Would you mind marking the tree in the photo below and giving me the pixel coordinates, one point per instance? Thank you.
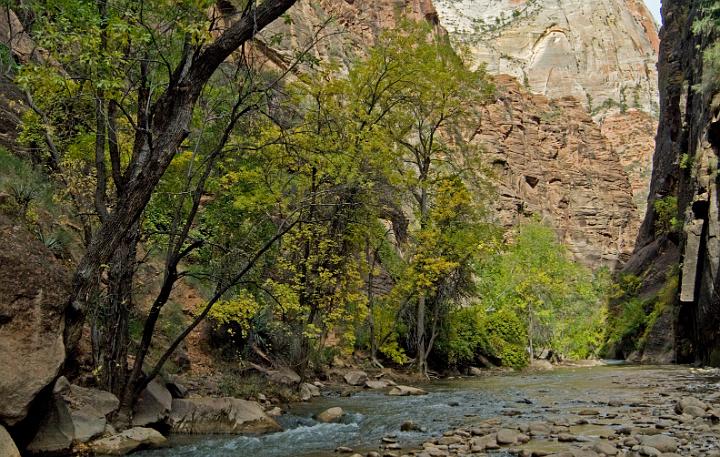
(560, 303)
(436, 160)
(129, 76)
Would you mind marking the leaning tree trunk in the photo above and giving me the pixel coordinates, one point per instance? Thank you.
(168, 129)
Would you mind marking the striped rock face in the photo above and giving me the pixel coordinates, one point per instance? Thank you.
(602, 52)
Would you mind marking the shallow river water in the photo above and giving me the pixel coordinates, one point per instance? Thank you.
(371, 415)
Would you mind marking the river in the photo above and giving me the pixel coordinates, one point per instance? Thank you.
(451, 403)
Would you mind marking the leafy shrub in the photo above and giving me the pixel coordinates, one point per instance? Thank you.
(506, 338)
(666, 212)
(25, 186)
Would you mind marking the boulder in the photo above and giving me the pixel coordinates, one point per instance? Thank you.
(475, 371)
(377, 384)
(541, 365)
(355, 377)
(219, 415)
(662, 443)
(330, 415)
(410, 426)
(77, 414)
(153, 405)
(482, 443)
(405, 391)
(689, 402)
(127, 441)
(7, 445)
(603, 447)
(308, 391)
(34, 287)
(506, 436)
(284, 376)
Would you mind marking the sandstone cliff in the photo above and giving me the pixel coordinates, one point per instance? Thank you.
(552, 161)
(602, 52)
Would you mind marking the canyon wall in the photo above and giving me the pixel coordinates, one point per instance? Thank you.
(602, 52)
(685, 168)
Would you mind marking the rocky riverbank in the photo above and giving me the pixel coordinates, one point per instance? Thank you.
(652, 415)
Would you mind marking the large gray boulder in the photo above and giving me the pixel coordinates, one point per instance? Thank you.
(34, 288)
(77, 414)
(219, 415)
(284, 376)
(127, 441)
(7, 445)
(355, 377)
(153, 405)
(662, 443)
(308, 391)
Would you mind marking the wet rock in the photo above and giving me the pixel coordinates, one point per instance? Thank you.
(603, 447)
(330, 415)
(274, 412)
(482, 443)
(355, 377)
(589, 412)
(219, 415)
(448, 440)
(538, 428)
(7, 445)
(153, 405)
(410, 426)
(127, 441)
(506, 436)
(662, 443)
(377, 384)
(694, 411)
(648, 451)
(689, 402)
(344, 450)
(405, 391)
(308, 391)
(566, 438)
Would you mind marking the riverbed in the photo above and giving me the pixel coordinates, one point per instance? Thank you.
(553, 397)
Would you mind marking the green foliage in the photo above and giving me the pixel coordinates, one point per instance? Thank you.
(634, 317)
(561, 303)
(666, 215)
(29, 190)
(506, 338)
(686, 161)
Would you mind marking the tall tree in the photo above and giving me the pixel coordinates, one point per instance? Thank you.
(124, 78)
